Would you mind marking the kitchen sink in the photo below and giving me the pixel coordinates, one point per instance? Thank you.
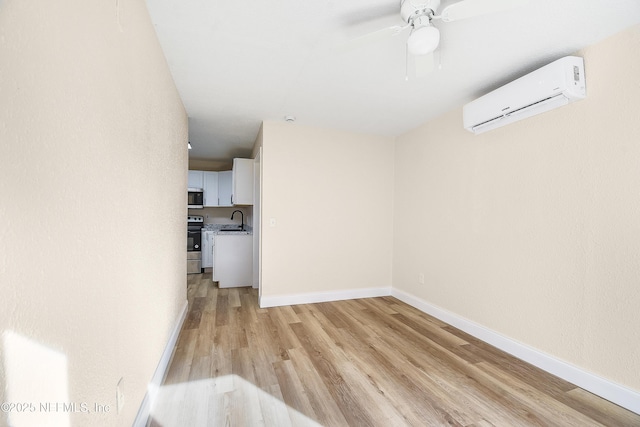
(232, 229)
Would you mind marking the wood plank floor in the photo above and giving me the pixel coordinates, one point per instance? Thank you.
(366, 362)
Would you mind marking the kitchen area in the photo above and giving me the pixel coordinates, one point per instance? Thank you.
(220, 223)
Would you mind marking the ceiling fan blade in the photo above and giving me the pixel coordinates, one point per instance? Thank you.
(424, 64)
(470, 8)
(371, 38)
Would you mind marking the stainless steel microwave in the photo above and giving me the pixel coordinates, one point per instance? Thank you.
(195, 198)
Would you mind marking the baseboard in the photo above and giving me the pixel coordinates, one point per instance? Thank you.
(313, 297)
(156, 381)
(620, 395)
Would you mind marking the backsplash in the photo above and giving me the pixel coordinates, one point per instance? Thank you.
(222, 215)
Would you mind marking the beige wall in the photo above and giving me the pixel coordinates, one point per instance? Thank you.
(92, 206)
(330, 193)
(533, 229)
(210, 165)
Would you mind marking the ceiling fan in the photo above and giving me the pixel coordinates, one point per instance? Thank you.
(424, 37)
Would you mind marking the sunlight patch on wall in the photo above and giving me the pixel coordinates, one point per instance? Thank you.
(37, 385)
(225, 400)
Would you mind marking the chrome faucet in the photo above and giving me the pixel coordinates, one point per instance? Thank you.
(241, 216)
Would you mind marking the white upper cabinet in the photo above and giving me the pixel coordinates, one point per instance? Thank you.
(217, 186)
(225, 180)
(195, 179)
(210, 189)
(242, 182)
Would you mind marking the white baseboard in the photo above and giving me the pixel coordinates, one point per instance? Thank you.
(620, 395)
(156, 381)
(310, 298)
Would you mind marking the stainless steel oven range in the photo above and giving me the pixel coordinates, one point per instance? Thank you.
(194, 244)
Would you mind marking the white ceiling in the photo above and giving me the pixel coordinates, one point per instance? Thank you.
(238, 63)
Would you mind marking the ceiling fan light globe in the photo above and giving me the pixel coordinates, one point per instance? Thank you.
(424, 40)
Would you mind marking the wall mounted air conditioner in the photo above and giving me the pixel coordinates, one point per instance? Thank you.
(549, 87)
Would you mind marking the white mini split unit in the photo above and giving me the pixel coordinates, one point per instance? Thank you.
(549, 87)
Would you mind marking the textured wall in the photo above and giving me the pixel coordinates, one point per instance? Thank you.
(330, 193)
(210, 165)
(93, 166)
(533, 229)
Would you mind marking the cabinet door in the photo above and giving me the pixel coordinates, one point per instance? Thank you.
(210, 189)
(224, 188)
(207, 249)
(233, 260)
(242, 182)
(213, 258)
(195, 179)
(203, 247)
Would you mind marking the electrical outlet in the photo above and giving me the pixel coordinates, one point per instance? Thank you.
(421, 278)
(120, 395)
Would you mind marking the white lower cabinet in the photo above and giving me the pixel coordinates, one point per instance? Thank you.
(233, 260)
(207, 249)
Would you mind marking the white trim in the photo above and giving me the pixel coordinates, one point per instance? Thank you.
(616, 393)
(156, 381)
(310, 298)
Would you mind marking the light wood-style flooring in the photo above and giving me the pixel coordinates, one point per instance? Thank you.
(365, 362)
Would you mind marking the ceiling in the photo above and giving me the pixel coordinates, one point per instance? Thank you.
(238, 63)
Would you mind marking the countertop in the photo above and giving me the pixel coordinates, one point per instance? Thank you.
(220, 229)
